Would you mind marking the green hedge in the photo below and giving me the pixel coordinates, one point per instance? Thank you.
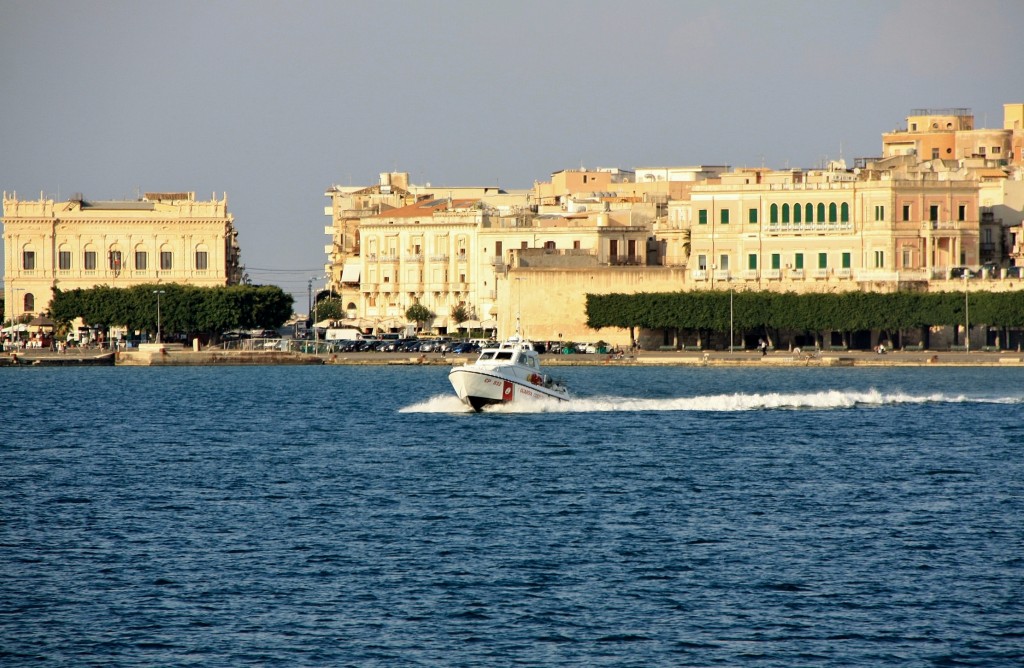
(851, 311)
(183, 308)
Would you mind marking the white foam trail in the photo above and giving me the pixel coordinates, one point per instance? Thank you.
(824, 400)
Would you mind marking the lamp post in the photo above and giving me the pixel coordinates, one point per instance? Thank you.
(967, 316)
(731, 328)
(158, 293)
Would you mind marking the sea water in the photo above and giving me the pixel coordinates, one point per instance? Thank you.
(363, 516)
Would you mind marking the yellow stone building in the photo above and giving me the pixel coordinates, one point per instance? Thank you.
(79, 243)
(943, 195)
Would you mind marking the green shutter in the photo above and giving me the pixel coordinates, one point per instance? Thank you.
(774, 213)
(776, 261)
(785, 213)
(752, 216)
(752, 261)
(725, 216)
(702, 217)
(821, 212)
(844, 212)
(797, 213)
(798, 261)
(822, 260)
(832, 212)
(846, 260)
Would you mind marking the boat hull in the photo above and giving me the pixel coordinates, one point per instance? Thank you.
(479, 388)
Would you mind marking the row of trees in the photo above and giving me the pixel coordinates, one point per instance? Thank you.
(183, 309)
(769, 313)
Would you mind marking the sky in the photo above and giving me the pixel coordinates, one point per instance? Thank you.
(274, 102)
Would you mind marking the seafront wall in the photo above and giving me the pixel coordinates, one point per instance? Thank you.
(182, 357)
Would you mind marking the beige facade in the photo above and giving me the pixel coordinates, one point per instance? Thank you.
(944, 195)
(162, 237)
(445, 253)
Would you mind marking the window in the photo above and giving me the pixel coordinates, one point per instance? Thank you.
(846, 260)
(141, 260)
(114, 259)
(549, 245)
(576, 244)
(832, 212)
(879, 259)
(28, 259)
(752, 216)
(90, 261)
(822, 260)
(797, 213)
(907, 256)
(996, 149)
(752, 261)
(809, 213)
(702, 262)
(724, 216)
(844, 212)
(202, 260)
(798, 261)
(935, 154)
(723, 262)
(879, 212)
(497, 249)
(776, 260)
(29, 302)
(64, 260)
(961, 213)
(906, 212)
(821, 212)
(933, 212)
(166, 260)
(773, 213)
(785, 213)
(702, 217)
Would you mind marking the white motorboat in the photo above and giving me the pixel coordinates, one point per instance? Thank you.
(509, 372)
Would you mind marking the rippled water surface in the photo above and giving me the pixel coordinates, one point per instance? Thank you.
(360, 516)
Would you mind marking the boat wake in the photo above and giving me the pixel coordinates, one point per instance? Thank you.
(824, 400)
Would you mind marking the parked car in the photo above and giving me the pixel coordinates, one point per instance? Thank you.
(962, 272)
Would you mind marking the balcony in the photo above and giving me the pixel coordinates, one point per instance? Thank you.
(722, 275)
(700, 275)
(821, 273)
(438, 258)
(773, 274)
(846, 272)
(796, 273)
(750, 275)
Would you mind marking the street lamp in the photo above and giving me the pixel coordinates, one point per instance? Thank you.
(158, 293)
(967, 315)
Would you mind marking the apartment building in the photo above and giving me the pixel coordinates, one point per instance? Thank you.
(80, 243)
(828, 229)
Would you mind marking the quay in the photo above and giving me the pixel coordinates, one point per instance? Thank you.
(180, 356)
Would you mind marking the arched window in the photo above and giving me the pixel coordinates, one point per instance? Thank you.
(798, 213)
(844, 212)
(832, 212)
(774, 214)
(202, 258)
(785, 213)
(821, 212)
(809, 215)
(29, 302)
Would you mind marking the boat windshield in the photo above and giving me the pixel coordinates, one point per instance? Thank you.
(504, 355)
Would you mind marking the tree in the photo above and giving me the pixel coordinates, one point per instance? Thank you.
(419, 314)
(459, 314)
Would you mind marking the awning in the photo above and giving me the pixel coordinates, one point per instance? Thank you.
(351, 272)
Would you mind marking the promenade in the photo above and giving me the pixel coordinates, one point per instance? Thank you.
(718, 358)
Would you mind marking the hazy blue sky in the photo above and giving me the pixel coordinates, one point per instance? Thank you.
(272, 102)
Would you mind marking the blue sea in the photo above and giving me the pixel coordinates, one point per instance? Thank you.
(360, 516)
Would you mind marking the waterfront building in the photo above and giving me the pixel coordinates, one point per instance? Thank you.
(943, 195)
(80, 243)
